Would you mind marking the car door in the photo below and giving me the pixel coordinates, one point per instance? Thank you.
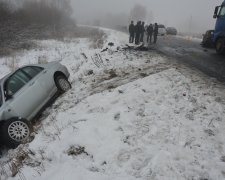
(44, 78)
(26, 96)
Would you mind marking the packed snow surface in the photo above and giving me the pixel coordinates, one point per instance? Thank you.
(129, 115)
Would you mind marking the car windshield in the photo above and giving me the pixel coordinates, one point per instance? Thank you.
(222, 11)
(161, 26)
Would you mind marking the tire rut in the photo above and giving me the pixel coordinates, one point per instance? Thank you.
(123, 77)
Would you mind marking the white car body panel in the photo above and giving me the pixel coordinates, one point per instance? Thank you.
(161, 31)
(32, 97)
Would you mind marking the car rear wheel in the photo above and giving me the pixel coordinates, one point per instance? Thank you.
(220, 46)
(15, 131)
(62, 83)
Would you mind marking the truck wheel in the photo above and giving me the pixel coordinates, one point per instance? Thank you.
(15, 131)
(62, 84)
(220, 45)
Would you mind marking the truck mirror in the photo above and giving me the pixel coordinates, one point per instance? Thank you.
(216, 12)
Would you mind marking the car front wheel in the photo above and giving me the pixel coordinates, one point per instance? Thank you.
(15, 131)
(62, 84)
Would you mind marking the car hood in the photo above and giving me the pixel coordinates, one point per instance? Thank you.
(47, 65)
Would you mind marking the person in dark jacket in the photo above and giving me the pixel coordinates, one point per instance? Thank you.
(137, 32)
(156, 29)
(132, 32)
(150, 32)
(142, 31)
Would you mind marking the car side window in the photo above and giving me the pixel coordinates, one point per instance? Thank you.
(32, 71)
(16, 82)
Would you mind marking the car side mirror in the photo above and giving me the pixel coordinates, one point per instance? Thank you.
(214, 16)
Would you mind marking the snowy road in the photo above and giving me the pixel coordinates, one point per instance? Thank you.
(129, 115)
(189, 50)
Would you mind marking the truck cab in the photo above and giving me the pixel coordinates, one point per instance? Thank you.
(219, 32)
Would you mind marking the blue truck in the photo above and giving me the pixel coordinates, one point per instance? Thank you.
(219, 31)
(216, 38)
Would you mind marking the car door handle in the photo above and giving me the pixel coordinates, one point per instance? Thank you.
(31, 84)
(44, 72)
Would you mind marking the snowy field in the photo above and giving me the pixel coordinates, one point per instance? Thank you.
(130, 115)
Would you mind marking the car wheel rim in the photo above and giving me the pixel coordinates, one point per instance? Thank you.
(18, 131)
(64, 84)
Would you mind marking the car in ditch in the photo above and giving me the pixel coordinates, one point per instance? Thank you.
(23, 94)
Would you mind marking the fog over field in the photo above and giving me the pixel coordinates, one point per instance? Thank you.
(186, 15)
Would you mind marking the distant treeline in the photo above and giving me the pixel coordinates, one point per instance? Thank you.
(43, 12)
(22, 21)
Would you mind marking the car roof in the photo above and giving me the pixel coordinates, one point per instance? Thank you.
(49, 64)
(161, 26)
(5, 77)
(8, 75)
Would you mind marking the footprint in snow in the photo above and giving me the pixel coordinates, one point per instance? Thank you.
(209, 132)
(141, 112)
(123, 157)
(117, 116)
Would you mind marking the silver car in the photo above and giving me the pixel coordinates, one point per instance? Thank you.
(23, 94)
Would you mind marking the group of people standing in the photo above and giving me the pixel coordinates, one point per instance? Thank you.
(137, 32)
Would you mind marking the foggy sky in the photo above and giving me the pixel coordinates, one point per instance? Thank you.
(185, 15)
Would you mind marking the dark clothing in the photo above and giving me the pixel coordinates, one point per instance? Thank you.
(131, 28)
(156, 29)
(149, 38)
(150, 29)
(150, 32)
(155, 33)
(137, 33)
(132, 32)
(142, 33)
(131, 39)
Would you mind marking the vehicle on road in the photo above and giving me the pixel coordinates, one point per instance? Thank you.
(218, 37)
(171, 31)
(161, 30)
(23, 94)
(207, 40)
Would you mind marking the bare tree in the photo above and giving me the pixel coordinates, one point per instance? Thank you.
(138, 12)
(62, 5)
(45, 12)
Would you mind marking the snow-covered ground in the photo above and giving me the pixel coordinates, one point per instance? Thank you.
(129, 115)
